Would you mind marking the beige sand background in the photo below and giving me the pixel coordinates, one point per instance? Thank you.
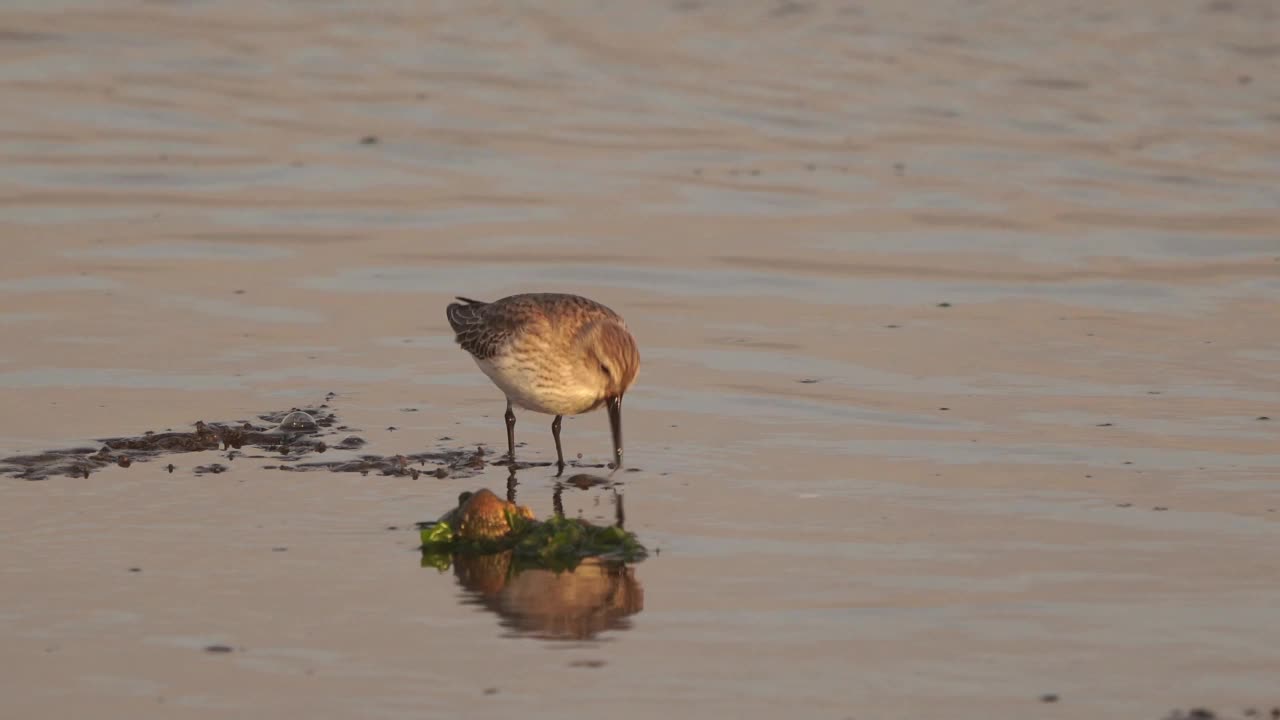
(1058, 484)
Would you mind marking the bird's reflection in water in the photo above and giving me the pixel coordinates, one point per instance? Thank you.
(582, 481)
(576, 604)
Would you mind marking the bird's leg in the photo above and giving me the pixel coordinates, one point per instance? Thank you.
(555, 433)
(511, 483)
(511, 434)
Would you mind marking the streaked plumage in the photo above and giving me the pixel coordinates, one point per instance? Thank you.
(551, 353)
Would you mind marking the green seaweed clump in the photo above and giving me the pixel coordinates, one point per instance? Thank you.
(557, 543)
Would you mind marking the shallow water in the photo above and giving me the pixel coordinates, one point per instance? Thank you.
(1024, 256)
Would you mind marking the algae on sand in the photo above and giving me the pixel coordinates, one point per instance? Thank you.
(482, 524)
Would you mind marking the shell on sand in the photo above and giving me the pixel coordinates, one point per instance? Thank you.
(483, 516)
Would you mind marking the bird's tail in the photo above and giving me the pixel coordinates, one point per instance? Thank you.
(460, 315)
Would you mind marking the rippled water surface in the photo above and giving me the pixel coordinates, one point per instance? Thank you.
(961, 360)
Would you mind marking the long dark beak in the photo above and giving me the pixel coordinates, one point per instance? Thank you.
(615, 424)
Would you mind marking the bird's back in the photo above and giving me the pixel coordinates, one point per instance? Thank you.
(483, 328)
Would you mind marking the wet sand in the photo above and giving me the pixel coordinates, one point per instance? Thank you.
(958, 325)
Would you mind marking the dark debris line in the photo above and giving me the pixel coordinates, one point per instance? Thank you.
(292, 438)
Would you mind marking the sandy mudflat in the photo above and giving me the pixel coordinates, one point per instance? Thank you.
(958, 319)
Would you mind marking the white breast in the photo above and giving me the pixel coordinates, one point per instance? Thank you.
(554, 396)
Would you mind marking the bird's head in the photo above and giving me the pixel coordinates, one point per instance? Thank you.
(611, 361)
(611, 357)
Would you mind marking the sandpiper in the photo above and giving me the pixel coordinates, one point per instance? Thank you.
(551, 353)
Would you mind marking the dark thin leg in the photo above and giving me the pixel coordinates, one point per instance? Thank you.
(555, 433)
(511, 434)
(557, 502)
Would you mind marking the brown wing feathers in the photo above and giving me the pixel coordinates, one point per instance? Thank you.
(477, 336)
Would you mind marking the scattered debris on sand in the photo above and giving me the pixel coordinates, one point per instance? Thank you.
(289, 439)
